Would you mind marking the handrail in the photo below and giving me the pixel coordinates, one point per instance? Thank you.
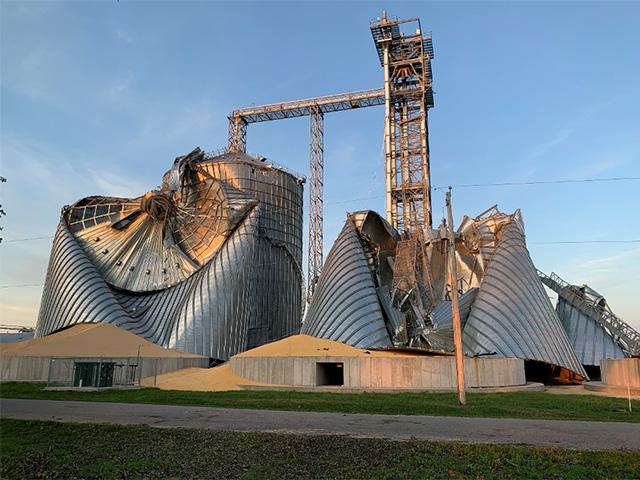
(627, 337)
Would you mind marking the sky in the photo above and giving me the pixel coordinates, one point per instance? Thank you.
(98, 98)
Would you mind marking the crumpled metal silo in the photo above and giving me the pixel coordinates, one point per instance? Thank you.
(589, 339)
(345, 304)
(594, 331)
(209, 263)
(397, 285)
(512, 315)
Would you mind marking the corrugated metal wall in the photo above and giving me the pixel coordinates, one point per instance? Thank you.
(345, 305)
(589, 340)
(249, 293)
(512, 314)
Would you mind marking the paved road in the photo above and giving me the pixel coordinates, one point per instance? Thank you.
(549, 433)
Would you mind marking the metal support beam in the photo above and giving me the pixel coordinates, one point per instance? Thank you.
(237, 133)
(316, 184)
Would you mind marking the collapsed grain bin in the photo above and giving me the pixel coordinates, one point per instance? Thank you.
(209, 263)
(383, 289)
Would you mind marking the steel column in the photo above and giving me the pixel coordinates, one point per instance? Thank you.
(316, 184)
(389, 167)
(237, 133)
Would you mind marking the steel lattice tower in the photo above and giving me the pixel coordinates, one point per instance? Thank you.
(406, 61)
(316, 184)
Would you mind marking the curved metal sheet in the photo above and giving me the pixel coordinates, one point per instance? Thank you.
(345, 305)
(74, 291)
(247, 293)
(216, 311)
(512, 314)
(440, 336)
(588, 339)
(163, 237)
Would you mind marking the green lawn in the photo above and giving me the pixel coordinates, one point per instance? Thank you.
(63, 450)
(515, 405)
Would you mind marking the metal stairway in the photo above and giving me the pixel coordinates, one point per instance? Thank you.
(621, 332)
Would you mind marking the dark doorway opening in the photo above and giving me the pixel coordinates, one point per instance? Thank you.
(93, 374)
(548, 374)
(330, 374)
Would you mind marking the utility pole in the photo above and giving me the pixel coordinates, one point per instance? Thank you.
(453, 280)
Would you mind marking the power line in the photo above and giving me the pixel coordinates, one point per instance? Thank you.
(464, 185)
(502, 184)
(540, 182)
(27, 239)
(582, 241)
(23, 285)
(339, 202)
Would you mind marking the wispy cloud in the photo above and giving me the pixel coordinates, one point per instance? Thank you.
(20, 314)
(39, 174)
(40, 181)
(122, 35)
(115, 185)
(543, 148)
(599, 166)
(610, 261)
(32, 73)
(119, 91)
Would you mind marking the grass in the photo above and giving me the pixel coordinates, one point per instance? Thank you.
(31, 449)
(536, 405)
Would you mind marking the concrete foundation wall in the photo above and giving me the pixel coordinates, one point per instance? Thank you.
(36, 369)
(24, 369)
(620, 371)
(383, 372)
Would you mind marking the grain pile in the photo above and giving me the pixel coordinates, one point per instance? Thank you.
(90, 340)
(224, 379)
(307, 346)
(218, 379)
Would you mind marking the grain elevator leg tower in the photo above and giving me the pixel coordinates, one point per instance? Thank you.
(406, 61)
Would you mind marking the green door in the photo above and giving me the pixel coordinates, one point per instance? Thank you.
(85, 374)
(93, 374)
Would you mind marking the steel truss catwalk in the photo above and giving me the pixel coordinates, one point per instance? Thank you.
(407, 95)
(594, 330)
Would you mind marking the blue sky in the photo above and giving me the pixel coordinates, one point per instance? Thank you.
(100, 97)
